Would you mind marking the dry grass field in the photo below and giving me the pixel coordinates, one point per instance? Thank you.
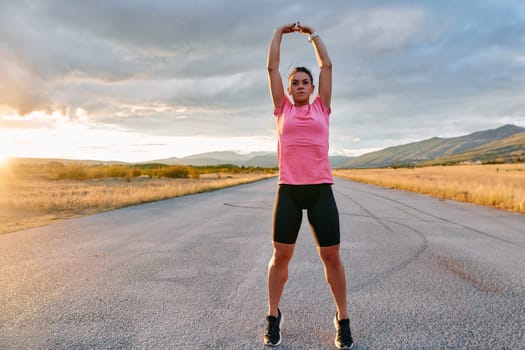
(501, 186)
(37, 200)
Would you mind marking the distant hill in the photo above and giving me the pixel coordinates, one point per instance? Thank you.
(506, 143)
(226, 156)
(268, 160)
(438, 150)
(261, 159)
(510, 148)
(340, 161)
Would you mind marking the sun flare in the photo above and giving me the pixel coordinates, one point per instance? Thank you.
(3, 159)
(4, 149)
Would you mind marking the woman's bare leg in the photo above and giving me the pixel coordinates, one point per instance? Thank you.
(278, 274)
(335, 276)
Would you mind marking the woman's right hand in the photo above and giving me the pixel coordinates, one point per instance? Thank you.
(289, 28)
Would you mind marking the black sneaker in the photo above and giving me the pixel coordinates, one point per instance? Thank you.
(272, 334)
(343, 336)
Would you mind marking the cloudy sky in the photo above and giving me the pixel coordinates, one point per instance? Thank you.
(139, 80)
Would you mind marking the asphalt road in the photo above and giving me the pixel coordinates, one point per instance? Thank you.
(190, 273)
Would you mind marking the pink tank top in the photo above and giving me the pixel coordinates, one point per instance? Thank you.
(302, 143)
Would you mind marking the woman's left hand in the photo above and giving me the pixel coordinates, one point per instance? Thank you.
(304, 29)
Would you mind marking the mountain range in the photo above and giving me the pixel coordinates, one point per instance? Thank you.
(506, 143)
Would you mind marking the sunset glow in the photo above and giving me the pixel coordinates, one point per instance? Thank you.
(4, 148)
(78, 140)
(3, 159)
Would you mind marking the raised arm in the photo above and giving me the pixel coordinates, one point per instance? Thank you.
(325, 64)
(274, 56)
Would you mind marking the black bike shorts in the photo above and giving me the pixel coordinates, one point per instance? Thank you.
(321, 208)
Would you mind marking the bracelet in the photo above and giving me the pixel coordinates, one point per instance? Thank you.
(312, 36)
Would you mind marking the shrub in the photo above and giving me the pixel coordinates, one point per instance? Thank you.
(175, 171)
(72, 171)
(194, 173)
(118, 171)
(136, 172)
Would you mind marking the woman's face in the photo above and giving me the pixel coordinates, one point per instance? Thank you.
(300, 87)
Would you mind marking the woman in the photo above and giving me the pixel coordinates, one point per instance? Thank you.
(305, 181)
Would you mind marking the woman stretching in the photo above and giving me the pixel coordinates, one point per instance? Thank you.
(305, 181)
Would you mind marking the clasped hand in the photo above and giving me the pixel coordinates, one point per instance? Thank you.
(296, 27)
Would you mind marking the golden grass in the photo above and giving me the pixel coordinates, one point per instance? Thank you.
(500, 186)
(30, 202)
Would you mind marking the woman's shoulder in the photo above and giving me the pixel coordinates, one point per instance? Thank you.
(284, 106)
(319, 105)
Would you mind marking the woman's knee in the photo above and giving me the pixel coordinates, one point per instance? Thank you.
(330, 256)
(282, 253)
